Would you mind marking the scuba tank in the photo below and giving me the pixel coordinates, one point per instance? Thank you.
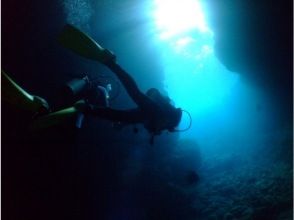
(98, 95)
(72, 91)
(90, 91)
(75, 86)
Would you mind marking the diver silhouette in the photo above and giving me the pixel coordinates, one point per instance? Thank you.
(153, 110)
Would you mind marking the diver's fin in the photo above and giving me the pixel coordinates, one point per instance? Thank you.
(53, 118)
(13, 94)
(60, 116)
(82, 44)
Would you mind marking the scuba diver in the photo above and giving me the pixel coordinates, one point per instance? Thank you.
(154, 110)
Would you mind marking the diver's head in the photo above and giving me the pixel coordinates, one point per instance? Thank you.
(171, 116)
(157, 97)
(153, 93)
(174, 115)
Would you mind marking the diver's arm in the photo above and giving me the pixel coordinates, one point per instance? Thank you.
(130, 85)
(82, 44)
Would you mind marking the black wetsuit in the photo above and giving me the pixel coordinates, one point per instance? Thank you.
(148, 111)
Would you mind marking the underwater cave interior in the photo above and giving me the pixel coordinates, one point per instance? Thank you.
(229, 64)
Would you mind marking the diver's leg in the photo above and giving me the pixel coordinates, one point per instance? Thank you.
(129, 83)
(53, 118)
(127, 116)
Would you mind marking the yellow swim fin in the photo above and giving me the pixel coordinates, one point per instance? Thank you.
(13, 94)
(82, 44)
(52, 118)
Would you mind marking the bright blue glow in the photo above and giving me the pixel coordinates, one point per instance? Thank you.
(174, 17)
(194, 78)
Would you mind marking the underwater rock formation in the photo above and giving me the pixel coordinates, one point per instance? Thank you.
(254, 39)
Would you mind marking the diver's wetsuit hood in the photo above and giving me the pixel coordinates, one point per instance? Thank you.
(171, 116)
(175, 116)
